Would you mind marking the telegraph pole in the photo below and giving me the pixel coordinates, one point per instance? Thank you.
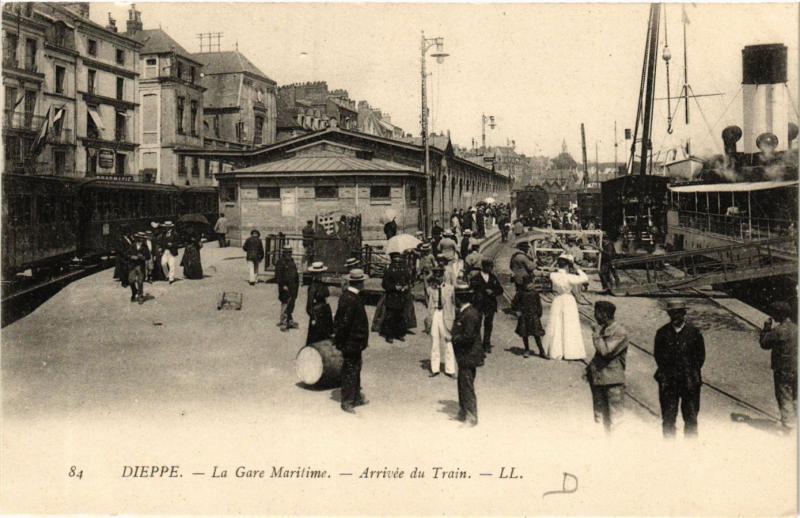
(425, 44)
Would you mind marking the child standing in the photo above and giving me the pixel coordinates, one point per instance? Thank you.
(529, 308)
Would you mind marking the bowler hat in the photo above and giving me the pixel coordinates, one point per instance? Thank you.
(356, 275)
(673, 305)
(317, 266)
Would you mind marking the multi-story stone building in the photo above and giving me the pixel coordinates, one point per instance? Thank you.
(23, 84)
(171, 107)
(307, 107)
(240, 101)
(374, 122)
(70, 92)
(106, 106)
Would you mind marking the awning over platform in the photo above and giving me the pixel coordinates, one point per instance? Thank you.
(733, 187)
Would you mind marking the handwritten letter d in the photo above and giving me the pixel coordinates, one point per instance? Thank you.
(566, 487)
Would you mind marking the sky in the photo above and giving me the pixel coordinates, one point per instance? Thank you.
(540, 69)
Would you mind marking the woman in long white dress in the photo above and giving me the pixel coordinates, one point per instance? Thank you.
(563, 338)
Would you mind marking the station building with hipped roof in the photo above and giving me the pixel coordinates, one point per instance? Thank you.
(336, 172)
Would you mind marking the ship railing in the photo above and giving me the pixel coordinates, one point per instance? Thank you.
(738, 226)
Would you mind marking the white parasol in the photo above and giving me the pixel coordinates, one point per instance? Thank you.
(401, 243)
(489, 200)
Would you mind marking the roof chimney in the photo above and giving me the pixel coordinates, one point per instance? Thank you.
(112, 24)
(134, 23)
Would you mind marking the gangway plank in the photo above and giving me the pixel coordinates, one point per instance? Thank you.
(692, 269)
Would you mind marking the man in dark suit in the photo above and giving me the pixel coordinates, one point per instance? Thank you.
(288, 284)
(680, 353)
(782, 340)
(607, 368)
(486, 288)
(351, 337)
(396, 283)
(469, 353)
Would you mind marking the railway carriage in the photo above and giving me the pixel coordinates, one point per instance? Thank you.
(48, 221)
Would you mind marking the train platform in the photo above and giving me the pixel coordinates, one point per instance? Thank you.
(93, 380)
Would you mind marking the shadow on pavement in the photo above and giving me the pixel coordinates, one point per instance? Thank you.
(449, 407)
(765, 425)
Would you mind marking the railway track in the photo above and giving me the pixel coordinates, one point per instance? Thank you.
(20, 298)
(587, 315)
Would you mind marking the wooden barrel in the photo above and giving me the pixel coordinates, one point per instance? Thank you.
(319, 365)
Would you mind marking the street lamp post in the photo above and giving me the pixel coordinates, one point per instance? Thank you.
(425, 45)
(492, 125)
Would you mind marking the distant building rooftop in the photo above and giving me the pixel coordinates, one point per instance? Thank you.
(156, 41)
(229, 62)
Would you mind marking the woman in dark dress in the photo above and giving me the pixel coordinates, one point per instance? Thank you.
(529, 323)
(192, 267)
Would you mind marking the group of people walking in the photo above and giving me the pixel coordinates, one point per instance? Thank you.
(145, 257)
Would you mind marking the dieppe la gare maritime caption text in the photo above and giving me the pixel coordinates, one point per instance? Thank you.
(308, 472)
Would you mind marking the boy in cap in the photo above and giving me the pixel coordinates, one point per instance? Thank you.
(288, 284)
(469, 353)
(441, 306)
(427, 262)
(679, 353)
(137, 259)
(351, 337)
(782, 340)
(606, 371)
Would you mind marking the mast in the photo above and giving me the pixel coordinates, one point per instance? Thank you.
(583, 148)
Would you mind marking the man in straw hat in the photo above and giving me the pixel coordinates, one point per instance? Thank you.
(320, 317)
(606, 371)
(782, 340)
(469, 352)
(351, 337)
(441, 307)
(288, 282)
(680, 353)
(255, 254)
(426, 263)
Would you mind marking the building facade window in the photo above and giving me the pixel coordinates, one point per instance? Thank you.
(239, 131)
(411, 198)
(193, 120)
(207, 168)
(30, 107)
(151, 65)
(259, 131)
(91, 47)
(269, 193)
(10, 42)
(179, 68)
(120, 57)
(216, 126)
(120, 132)
(195, 167)
(91, 77)
(11, 102)
(191, 74)
(181, 166)
(326, 192)
(30, 54)
(59, 161)
(380, 192)
(179, 114)
(60, 73)
(91, 128)
(227, 192)
(120, 88)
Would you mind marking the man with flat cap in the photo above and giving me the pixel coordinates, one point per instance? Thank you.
(288, 282)
(468, 348)
(680, 353)
(606, 371)
(521, 265)
(351, 337)
(782, 341)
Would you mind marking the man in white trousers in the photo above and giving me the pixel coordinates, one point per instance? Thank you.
(169, 260)
(441, 305)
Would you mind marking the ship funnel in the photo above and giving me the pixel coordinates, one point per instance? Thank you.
(730, 136)
(766, 108)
